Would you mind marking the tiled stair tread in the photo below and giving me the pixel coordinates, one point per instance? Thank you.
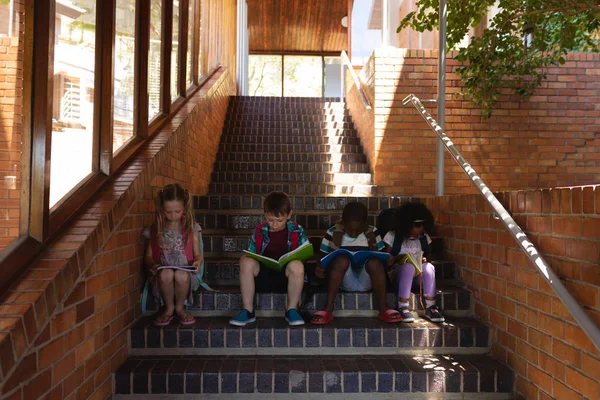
(318, 132)
(266, 139)
(292, 148)
(291, 157)
(312, 374)
(249, 115)
(327, 167)
(292, 188)
(344, 332)
(299, 202)
(290, 124)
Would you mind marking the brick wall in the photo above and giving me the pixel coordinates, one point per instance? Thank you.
(548, 141)
(530, 328)
(11, 123)
(63, 326)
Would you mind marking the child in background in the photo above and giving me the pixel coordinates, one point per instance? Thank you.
(278, 236)
(173, 242)
(354, 233)
(412, 223)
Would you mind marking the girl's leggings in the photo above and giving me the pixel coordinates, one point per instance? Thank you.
(403, 280)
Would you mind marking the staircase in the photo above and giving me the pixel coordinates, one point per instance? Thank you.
(308, 148)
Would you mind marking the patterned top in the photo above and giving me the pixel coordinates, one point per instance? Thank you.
(353, 244)
(409, 246)
(173, 249)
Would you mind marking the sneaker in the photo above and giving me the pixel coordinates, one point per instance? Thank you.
(407, 316)
(433, 314)
(243, 318)
(293, 317)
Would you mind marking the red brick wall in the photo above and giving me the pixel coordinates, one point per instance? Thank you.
(63, 326)
(550, 140)
(11, 123)
(530, 328)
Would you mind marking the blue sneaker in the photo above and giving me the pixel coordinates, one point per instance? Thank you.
(293, 317)
(407, 316)
(243, 318)
(433, 314)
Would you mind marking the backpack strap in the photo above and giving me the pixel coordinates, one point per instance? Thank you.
(397, 245)
(294, 237)
(259, 238)
(424, 245)
(154, 244)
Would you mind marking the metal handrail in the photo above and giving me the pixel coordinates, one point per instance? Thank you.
(346, 63)
(586, 323)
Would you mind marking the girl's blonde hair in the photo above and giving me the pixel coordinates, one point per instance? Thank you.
(174, 192)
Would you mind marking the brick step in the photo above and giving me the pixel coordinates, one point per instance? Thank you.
(286, 101)
(215, 202)
(250, 115)
(233, 166)
(266, 139)
(449, 376)
(291, 132)
(214, 335)
(288, 125)
(291, 148)
(290, 157)
(293, 188)
(224, 266)
(338, 178)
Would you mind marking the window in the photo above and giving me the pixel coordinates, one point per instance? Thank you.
(189, 76)
(12, 32)
(73, 97)
(265, 76)
(124, 73)
(155, 59)
(175, 53)
(303, 76)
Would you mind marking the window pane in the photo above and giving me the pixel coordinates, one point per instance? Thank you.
(12, 32)
(154, 59)
(190, 46)
(265, 75)
(333, 82)
(174, 53)
(73, 98)
(199, 33)
(124, 85)
(303, 76)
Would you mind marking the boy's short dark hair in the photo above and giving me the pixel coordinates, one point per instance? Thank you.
(277, 203)
(355, 211)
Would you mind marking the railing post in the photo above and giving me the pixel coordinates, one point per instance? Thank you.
(441, 97)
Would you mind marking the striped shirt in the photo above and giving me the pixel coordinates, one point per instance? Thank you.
(349, 243)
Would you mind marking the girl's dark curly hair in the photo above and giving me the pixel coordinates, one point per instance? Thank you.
(407, 214)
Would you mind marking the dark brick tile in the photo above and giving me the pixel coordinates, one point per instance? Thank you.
(359, 337)
(405, 335)
(481, 336)
(389, 337)
(229, 376)
(176, 378)
(141, 377)
(450, 335)
(210, 376)
(327, 337)
(343, 337)
(233, 337)
(374, 336)
(466, 336)
(248, 337)
(363, 301)
(138, 337)
(281, 381)
(159, 377)
(349, 301)
(264, 376)
(452, 382)
(435, 336)
(153, 338)
(169, 336)
(265, 337)
(217, 339)
(193, 377)
(436, 381)
(296, 337)
(368, 376)
(420, 337)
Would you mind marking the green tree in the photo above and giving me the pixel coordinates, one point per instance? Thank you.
(520, 43)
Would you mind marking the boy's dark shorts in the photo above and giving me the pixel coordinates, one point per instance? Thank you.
(270, 281)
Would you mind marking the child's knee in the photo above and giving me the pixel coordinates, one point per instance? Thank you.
(165, 275)
(429, 270)
(341, 263)
(374, 267)
(295, 268)
(182, 277)
(249, 264)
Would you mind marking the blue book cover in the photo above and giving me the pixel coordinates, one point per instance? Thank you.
(357, 258)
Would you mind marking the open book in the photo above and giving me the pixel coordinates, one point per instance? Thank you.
(188, 268)
(414, 259)
(357, 258)
(303, 252)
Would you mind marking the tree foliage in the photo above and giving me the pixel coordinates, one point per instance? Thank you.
(520, 43)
